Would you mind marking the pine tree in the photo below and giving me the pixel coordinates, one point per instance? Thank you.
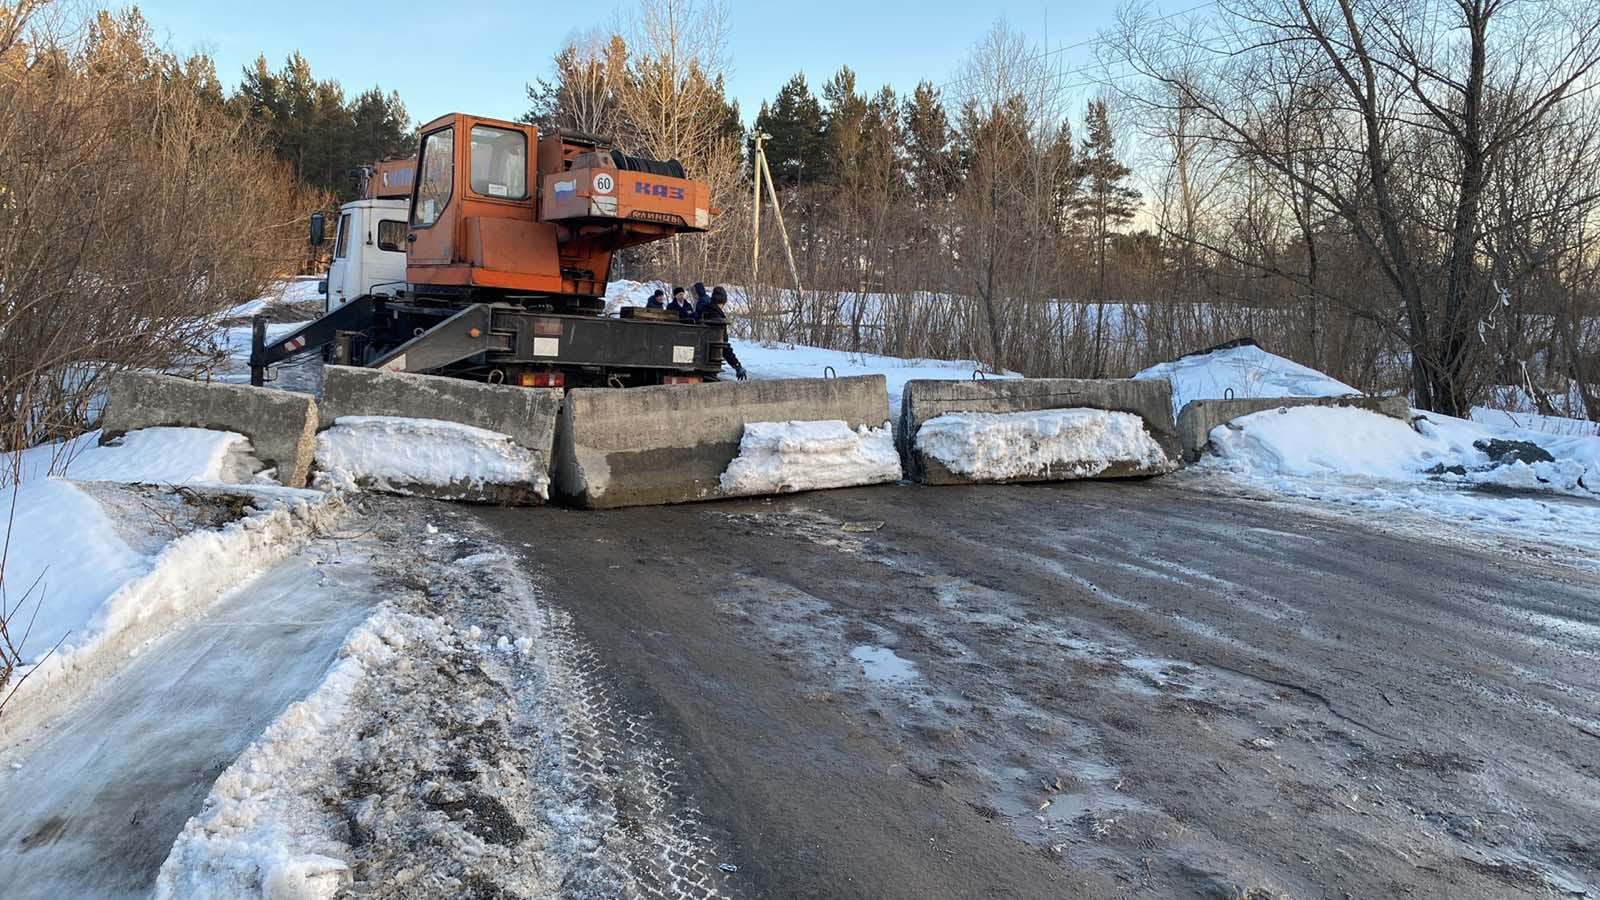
(795, 151)
(931, 158)
(1106, 201)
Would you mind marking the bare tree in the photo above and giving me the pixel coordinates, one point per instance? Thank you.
(1417, 106)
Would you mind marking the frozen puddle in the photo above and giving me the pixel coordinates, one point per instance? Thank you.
(881, 664)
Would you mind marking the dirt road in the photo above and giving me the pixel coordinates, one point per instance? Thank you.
(1096, 690)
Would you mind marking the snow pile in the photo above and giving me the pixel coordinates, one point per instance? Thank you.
(1242, 372)
(257, 837)
(783, 457)
(394, 454)
(1056, 442)
(99, 601)
(65, 558)
(162, 456)
(1321, 442)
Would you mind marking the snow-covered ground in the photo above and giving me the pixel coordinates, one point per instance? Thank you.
(99, 561)
(777, 360)
(1458, 474)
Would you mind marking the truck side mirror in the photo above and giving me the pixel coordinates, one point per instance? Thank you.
(319, 228)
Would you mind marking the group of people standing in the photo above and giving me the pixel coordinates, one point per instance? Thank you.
(708, 309)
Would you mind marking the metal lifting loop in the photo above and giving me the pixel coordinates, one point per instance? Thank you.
(1227, 394)
(614, 381)
(496, 376)
(828, 372)
(979, 376)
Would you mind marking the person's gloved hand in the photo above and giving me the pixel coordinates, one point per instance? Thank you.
(739, 371)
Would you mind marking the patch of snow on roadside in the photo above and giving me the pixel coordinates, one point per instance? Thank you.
(1242, 372)
(63, 542)
(1321, 442)
(160, 456)
(392, 452)
(1000, 446)
(256, 837)
(109, 602)
(782, 457)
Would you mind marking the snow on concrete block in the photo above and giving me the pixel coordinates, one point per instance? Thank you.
(1048, 445)
(281, 425)
(430, 458)
(993, 430)
(1199, 417)
(786, 457)
(673, 443)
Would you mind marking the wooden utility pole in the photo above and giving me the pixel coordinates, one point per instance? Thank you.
(762, 170)
(755, 205)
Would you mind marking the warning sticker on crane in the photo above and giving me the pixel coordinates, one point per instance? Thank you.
(604, 183)
(546, 346)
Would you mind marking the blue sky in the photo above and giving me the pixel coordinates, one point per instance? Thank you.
(476, 56)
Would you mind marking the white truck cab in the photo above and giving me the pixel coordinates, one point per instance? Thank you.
(369, 250)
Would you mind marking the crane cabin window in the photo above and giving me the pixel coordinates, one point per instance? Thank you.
(391, 235)
(437, 168)
(341, 244)
(499, 163)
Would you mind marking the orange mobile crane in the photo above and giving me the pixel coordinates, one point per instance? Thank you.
(509, 237)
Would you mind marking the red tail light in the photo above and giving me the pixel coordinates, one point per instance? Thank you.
(542, 379)
(681, 379)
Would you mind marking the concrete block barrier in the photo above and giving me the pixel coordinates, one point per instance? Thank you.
(674, 443)
(459, 440)
(1199, 417)
(1036, 429)
(281, 425)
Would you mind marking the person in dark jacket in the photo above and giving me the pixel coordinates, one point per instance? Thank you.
(680, 305)
(658, 300)
(702, 301)
(715, 313)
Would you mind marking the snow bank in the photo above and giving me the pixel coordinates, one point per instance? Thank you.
(393, 453)
(1072, 442)
(1242, 372)
(1319, 442)
(258, 837)
(65, 558)
(104, 602)
(782, 457)
(161, 456)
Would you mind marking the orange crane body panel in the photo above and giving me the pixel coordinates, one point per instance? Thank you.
(494, 206)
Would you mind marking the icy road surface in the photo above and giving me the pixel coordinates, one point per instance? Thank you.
(1096, 690)
(92, 804)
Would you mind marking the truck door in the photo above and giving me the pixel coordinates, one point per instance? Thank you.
(339, 270)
